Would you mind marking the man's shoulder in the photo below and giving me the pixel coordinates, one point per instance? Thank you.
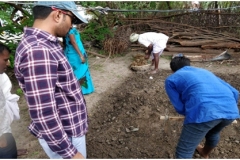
(27, 44)
(31, 42)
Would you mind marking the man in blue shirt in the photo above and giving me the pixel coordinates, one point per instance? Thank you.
(208, 103)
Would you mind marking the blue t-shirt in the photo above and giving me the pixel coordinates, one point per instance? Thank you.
(201, 96)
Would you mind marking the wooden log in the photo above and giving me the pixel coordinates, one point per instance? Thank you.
(199, 57)
(172, 40)
(217, 51)
(175, 34)
(96, 54)
(212, 51)
(166, 53)
(184, 49)
(222, 45)
(198, 42)
(203, 51)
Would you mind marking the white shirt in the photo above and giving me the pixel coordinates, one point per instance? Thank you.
(9, 110)
(153, 38)
(5, 120)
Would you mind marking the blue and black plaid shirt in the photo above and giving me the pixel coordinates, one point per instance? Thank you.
(56, 104)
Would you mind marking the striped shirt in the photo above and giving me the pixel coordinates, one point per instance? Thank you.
(56, 104)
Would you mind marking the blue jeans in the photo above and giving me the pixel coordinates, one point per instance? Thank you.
(10, 151)
(79, 143)
(192, 134)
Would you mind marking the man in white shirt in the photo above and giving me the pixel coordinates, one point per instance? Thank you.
(8, 147)
(9, 110)
(155, 43)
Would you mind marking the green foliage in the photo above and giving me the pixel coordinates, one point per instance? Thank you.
(11, 59)
(11, 27)
(95, 32)
(19, 92)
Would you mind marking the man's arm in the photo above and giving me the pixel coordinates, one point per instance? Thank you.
(174, 97)
(149, 49)
(74, 43)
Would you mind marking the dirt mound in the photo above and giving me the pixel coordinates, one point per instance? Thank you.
(139, 102)
(124, 113)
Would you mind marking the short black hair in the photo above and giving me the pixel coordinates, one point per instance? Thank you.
(41, 12)
(4, 47)
(179, 62)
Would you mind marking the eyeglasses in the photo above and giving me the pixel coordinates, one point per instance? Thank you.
(73, 18)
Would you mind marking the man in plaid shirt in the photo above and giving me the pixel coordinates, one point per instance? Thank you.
(56, 104)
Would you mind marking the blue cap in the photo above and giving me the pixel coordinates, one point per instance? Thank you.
(65, 5)
(179, 55)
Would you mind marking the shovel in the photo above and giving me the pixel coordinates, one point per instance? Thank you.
(223, 56)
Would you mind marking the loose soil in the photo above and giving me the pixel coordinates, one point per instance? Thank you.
(125, 110)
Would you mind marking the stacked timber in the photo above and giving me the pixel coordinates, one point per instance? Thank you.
(193, 41)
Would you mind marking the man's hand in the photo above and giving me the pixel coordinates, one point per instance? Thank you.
(78, 156)
(3, 141)
(146, 52)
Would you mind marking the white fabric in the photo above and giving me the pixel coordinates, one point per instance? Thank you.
(5, 120)
(195, 2)
(78, 142)
(159, 54)
(158, 40)
(133, 37)
(11, 104)
(5, 84)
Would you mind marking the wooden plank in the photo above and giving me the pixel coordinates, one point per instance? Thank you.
(222, 45)
(184, 49)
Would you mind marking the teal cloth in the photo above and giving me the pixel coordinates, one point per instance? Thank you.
(81, 70)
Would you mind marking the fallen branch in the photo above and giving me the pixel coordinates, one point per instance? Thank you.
(96, 54)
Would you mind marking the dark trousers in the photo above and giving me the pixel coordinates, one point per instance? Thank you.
(193, 133)
(10, 151)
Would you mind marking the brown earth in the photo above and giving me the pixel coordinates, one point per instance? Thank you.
(125, 100)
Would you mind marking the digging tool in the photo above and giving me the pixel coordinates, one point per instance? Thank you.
(223, 56)
(207, 57)
(179, 118)
(171, 118)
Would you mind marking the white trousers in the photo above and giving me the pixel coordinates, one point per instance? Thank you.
(78, 142)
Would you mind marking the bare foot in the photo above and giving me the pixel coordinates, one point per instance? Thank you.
(21, 152)
(153, 71)
(200, 151)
